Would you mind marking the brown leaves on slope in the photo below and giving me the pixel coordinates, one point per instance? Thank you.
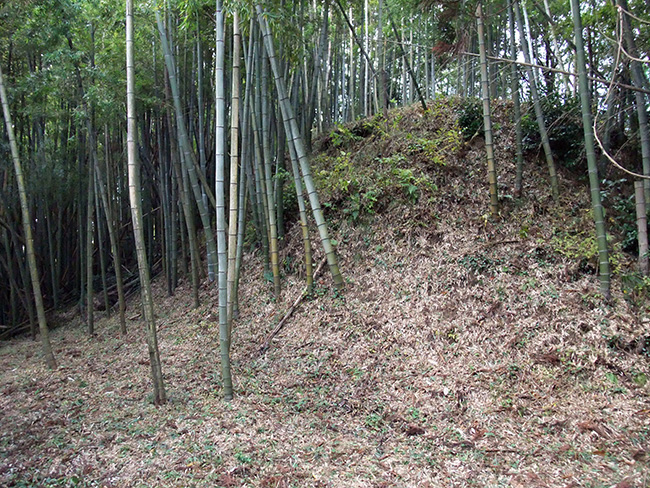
(462, 352)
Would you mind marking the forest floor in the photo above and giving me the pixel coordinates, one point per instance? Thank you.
(462, 352)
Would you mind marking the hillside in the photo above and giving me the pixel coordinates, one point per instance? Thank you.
(462, 352)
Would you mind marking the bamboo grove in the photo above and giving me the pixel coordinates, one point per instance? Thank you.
(162, 138)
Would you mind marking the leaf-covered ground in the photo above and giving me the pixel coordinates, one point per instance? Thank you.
(462, 352)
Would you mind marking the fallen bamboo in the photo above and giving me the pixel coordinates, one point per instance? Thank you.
(301, 297)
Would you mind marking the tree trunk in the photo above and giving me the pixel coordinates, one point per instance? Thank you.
(587, 122)
(234, 174)
(487, 117)
(295, 138)
(555, 189)
(516, 103)
(220, 194)
(135, 196)
(27, 229)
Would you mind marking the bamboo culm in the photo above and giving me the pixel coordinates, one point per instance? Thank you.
(220, 195)
(295, 138)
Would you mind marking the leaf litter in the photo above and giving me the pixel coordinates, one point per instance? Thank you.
(462, 352)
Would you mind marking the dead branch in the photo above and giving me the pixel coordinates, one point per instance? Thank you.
(301, 297)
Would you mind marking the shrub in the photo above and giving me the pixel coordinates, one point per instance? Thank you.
(563, 120)
(470, 117)
(582, 247)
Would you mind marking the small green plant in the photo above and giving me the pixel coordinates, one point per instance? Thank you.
(243, 457)
(342, 136)
(374, 421)
(640, 379)
(470, 117)
(436, 149)
(357, 191)
(582, 247)
(478, 263)
(361, 203)
(452, 335)
(523, 232)
(636, 287)
(411, 184)
(414, 413)
(340, 176)
(513, 371)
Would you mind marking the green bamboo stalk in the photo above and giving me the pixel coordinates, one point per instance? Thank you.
(407, 64)
(487, 117)
(200, 111)
(302, 210)
(27, 229)
(516, 103)
(234, 166)
(90, 207)
(295, 138)
(188, 156)
(639, 80)
(555, 187)
(244, 182)
(268, 175)
(184, 189)
(587, 122)
(220, 194)
(642, 226)
(13, 287)
(160, 395)
(114, 241)
(258, 173)
(100, 245)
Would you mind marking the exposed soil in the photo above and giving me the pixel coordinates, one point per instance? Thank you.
(462, 352)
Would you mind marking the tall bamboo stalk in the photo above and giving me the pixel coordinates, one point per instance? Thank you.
(487, 116)
(27, 229)
(642, 226)
(160, 396)
(90, 207)
(190, 225)
(101, 243)
(200, 111)
(408, 65)
(639, 80)
(514, 81)
(188, 157)
(234, 166)
(555, 188)
(295, 138)
(114, 241)
(220, 194)
(594, 183)
(268, 178)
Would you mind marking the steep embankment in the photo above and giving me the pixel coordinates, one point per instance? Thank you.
(463, 352)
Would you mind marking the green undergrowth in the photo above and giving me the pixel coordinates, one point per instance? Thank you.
(573, 237)
(563, 123)
(431, 159)
(365, 167)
